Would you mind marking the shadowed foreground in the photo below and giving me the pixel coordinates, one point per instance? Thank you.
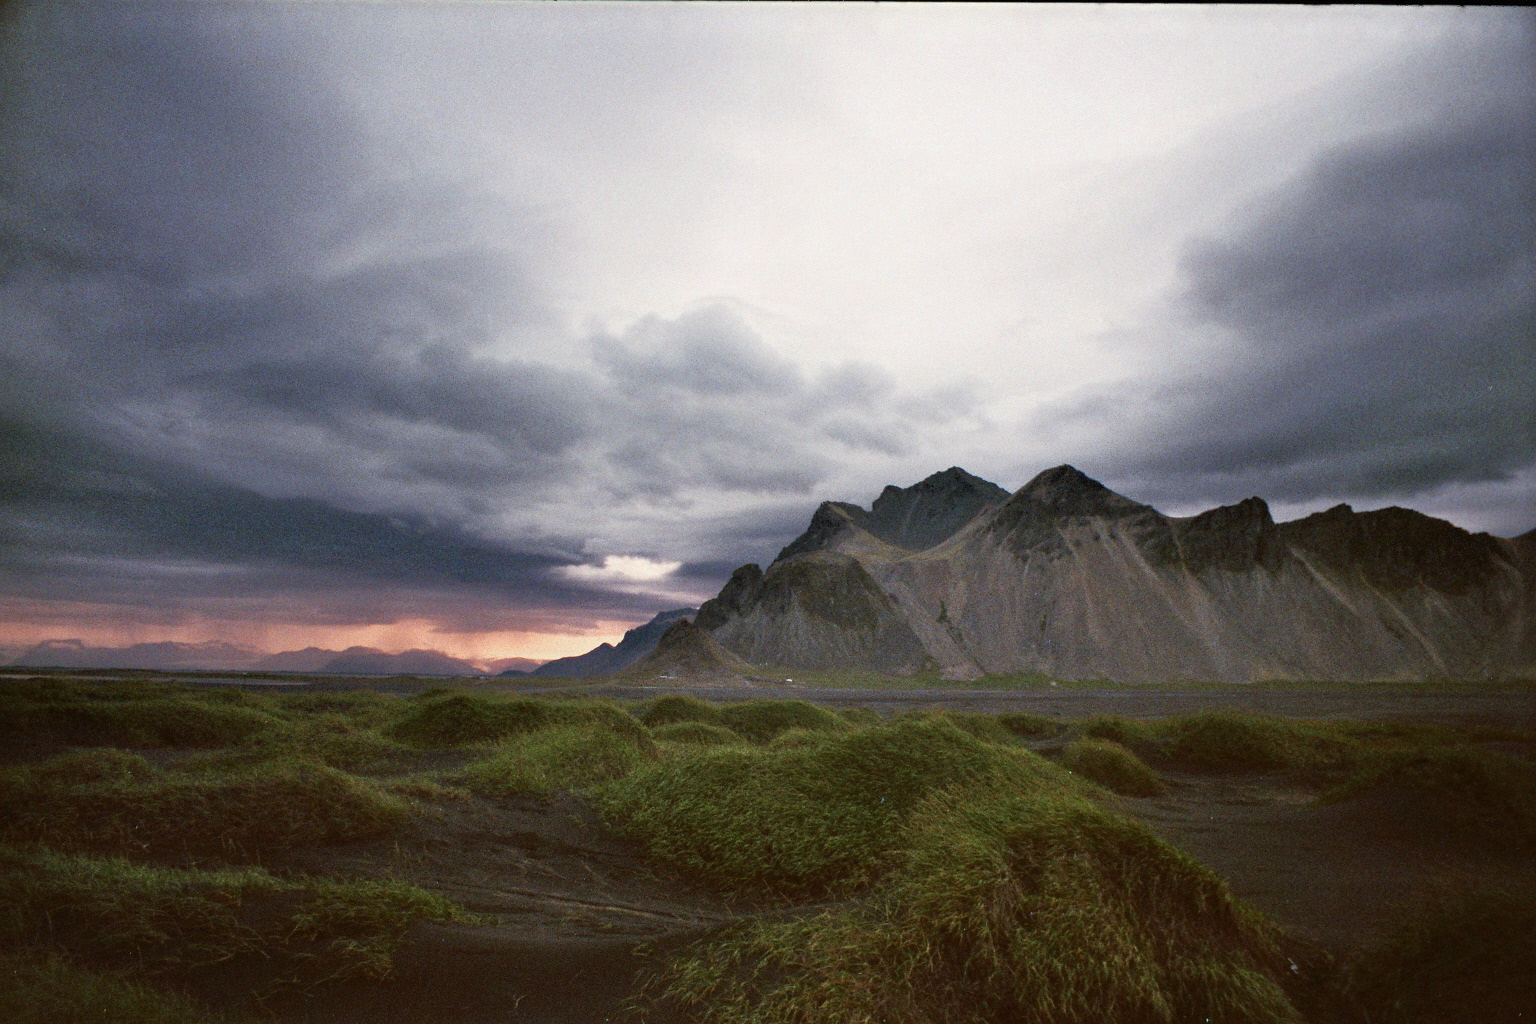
(355, 857)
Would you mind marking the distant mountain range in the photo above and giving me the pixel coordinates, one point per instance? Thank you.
(173, 656)
(1063, 577)
(1066, 578)
(166, 655)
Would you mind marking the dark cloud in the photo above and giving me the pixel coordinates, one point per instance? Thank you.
(165, 143)
(1377, 319)
(249, 349)
(702, 401)
(707, 354)
(84, 521)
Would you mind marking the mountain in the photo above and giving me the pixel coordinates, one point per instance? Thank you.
(1067, 578)
(167, 655)
(510, 666)
(310, 659)
(369, 661)
(172, 656)
(914, 518)
(605, 659)
(685, 653)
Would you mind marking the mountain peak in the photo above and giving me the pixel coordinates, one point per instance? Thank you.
(916, 518)
(1067, 490)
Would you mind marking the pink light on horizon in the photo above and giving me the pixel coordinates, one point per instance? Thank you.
(26, 623)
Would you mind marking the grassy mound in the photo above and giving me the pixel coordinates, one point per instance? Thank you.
(1025, 725)
(1459, 954)
(50, 990)
(798, 737)
(458, 719)
(859, 716)
(234, 805)
(560, 757)
(126, 715)
(334, 740)
(362, 709)
(986, 728)
(1113, 767)
(701, 733)
(1466, 793)
(673, 707)
(92, 765)
(1228, 741)
(1014, 902)
(166, 921)
(800, 817)
(761, 720)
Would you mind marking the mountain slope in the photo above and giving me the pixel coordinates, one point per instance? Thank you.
(608, 658)
(1067, 578)
(685, 653)
(913, 518)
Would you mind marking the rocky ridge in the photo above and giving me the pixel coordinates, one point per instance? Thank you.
(1069, 579)
(608, 658)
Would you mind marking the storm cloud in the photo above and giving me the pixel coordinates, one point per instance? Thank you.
(1374, 320)
(328, 313)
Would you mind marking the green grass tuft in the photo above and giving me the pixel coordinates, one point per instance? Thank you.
(1015, 900)
(672, 707)
(123, 717)
(761, 720)
(560, 757)
(1023, 724)
(1113, 767)
(1117, 729)
(1236, 741)
(859, 716)
(458, 719)
(163, 921)
(92, 765)
(362, 709)
(802, 817)
(700, 733)
(798, 737)
(234, 805)
(333, 740)
(986, 728)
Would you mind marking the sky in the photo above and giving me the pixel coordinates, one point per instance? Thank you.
(497, 328)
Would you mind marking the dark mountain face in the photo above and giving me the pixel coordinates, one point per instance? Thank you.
(1070, 579)
(1397, 548)
(608, 658)
(932, 511)
(820, 609)
(1230, 538)
(686, 653)
(915, 518)
(738, 594)
(1031, 522)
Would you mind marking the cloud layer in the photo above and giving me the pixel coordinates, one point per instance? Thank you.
(294, 328)
(1369, 322)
